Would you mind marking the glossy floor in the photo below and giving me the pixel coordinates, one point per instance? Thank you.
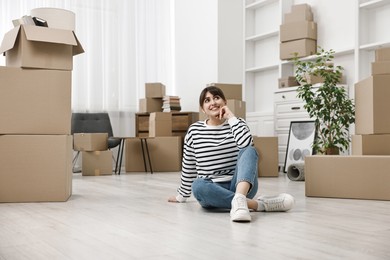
(128, 217)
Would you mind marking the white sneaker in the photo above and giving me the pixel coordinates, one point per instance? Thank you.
(281, 202)
(240, 211)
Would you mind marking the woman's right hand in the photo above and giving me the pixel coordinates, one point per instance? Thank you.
(172, 199)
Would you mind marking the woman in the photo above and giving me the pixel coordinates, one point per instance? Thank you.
(220, 163)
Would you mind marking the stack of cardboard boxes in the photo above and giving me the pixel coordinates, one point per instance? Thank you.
(298, 33)
(153, 101)
(35, 114)
(364, 174)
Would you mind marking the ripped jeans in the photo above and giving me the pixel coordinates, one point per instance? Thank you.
(220, 194)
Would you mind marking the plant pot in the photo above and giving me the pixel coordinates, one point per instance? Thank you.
(332, 151)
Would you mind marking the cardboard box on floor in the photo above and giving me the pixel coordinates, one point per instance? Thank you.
(372, 105)
(90, 141)
(303, 48)
(382, 54)
(165, 154)
(348, 177)
(371, 144)
(267, 148)
(237, 107)
(29, 46)
(160, 124)
(380, 67)
(97, 163)
(35, 101)
(35, 168)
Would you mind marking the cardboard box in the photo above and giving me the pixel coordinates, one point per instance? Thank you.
(304, 47)
(160, 124)
(349, 177)
(35, 168)
(380, 67)
(231, 91)
(298, 30)
(29, 46)
(288, 82)
(301, 8)
(372, 105)
(237, 107)
(298, 16)
(150, 105)
(165, 154)
(382, 54)
(90, 141)
(97, 163)
(371, 144)
(35, 101)
(267, 148)
(154, 90)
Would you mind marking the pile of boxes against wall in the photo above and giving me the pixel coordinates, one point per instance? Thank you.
(96, 158)
(298, 33)
(364, 174)
(35, 111)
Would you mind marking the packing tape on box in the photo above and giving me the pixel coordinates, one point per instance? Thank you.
(56, 18)
(295, 172)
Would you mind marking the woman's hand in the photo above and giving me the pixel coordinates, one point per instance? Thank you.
(172, 199)
(225, 113)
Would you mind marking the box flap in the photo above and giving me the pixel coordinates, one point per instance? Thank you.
(9, 39)
(45, 34)
(78, 49)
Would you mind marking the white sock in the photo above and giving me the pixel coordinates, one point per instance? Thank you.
(260, 206)
(238, 195)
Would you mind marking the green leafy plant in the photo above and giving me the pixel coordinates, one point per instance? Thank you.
(329, 104)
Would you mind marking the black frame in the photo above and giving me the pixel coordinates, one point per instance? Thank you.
(306, 142)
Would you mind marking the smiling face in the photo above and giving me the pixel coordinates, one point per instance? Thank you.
(212, 104)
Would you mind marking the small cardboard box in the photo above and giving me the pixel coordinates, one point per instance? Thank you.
(298, 16)
(382, 54)
(90, 141)
(288, 82)
(348, 177)
(303, 48)
(267, 148)
(380, 67)
(35, 168)
(371, 144)
(231, 91)
(97, 163)
(28, 46)
(372, 105)
(165, 154)
(150, 105)
(160, 124)
(298, 30)
(35, 101)
(154, 90)
(237, 107)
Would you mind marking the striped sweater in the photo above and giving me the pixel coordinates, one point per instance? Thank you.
(211, 152)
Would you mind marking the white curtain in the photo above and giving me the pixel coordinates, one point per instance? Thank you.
(126, 43)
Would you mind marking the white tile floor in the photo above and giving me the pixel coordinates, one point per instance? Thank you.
(128, 217)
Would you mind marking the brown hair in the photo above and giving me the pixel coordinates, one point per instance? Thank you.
(215, 91)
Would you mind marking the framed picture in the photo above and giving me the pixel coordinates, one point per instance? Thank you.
(300, 140)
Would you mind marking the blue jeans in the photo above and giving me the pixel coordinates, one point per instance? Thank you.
(220, 194)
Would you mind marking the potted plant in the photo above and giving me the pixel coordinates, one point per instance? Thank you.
(329, 104)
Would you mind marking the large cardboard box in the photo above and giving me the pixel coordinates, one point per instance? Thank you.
(150, 105)
(165, 154)
(237, 107)
(160, 124)
(372, 105)
(231, 91)
(303, 48)
(371, 144)
(35, 101)
(90, 141)
(267, 148)
(349, 177)
(35, 168)
(97, 163)
(154, 90)
(382, 54)
(298, 30)
(380, 67)
(29, 46)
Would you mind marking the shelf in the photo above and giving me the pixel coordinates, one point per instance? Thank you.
(374, 4)
(374, 46)
(262, 36)
(338, 53)
(263, 68)
(259, 4)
